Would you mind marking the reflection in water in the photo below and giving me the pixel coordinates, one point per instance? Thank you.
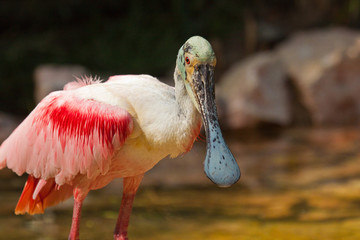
(298, 184)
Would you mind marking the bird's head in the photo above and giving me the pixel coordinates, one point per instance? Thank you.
(196, 56)
(196, 62)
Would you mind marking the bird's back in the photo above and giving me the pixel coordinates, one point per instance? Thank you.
(154, 109)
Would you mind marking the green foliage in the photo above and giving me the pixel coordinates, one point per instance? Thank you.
(138, 36)
(112, 37)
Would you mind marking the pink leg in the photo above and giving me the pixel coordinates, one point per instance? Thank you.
(131, 184)
(78, 200)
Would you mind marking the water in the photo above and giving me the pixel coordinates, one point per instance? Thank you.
(296, 184)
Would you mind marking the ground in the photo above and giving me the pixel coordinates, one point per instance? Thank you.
(295, 186)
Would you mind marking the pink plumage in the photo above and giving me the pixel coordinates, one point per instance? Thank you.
(65, 136)
(81, 82)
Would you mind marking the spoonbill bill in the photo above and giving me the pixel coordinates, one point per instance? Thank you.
(92, 132)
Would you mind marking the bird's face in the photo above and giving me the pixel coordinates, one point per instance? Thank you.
(196, 62)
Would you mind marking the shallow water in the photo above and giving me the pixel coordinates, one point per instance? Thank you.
(296, 184)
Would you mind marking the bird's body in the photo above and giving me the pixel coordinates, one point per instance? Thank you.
(155, 125)
(83, 137)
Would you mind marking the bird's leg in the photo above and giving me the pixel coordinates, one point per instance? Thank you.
(131, 184)
(79, 197)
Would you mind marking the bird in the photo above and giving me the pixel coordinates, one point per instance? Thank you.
(82, 137)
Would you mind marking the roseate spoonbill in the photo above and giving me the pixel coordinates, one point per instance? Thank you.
(82, 138)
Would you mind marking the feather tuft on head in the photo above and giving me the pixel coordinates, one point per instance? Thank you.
(82, 81)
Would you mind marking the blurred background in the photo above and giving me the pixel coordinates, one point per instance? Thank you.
(288, 96)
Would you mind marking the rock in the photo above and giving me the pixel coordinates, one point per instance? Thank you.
(254, 91)
(7, 124)
(325, 67)
(49, 78)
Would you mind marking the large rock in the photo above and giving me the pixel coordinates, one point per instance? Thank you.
(254, 91)
(325, 67)
(49, 78)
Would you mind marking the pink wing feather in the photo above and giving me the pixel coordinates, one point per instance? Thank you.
(64, 136)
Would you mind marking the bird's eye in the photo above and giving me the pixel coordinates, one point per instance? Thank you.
(187, 60)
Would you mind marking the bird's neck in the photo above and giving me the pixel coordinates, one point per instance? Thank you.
(185, 107)
(188, 117)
